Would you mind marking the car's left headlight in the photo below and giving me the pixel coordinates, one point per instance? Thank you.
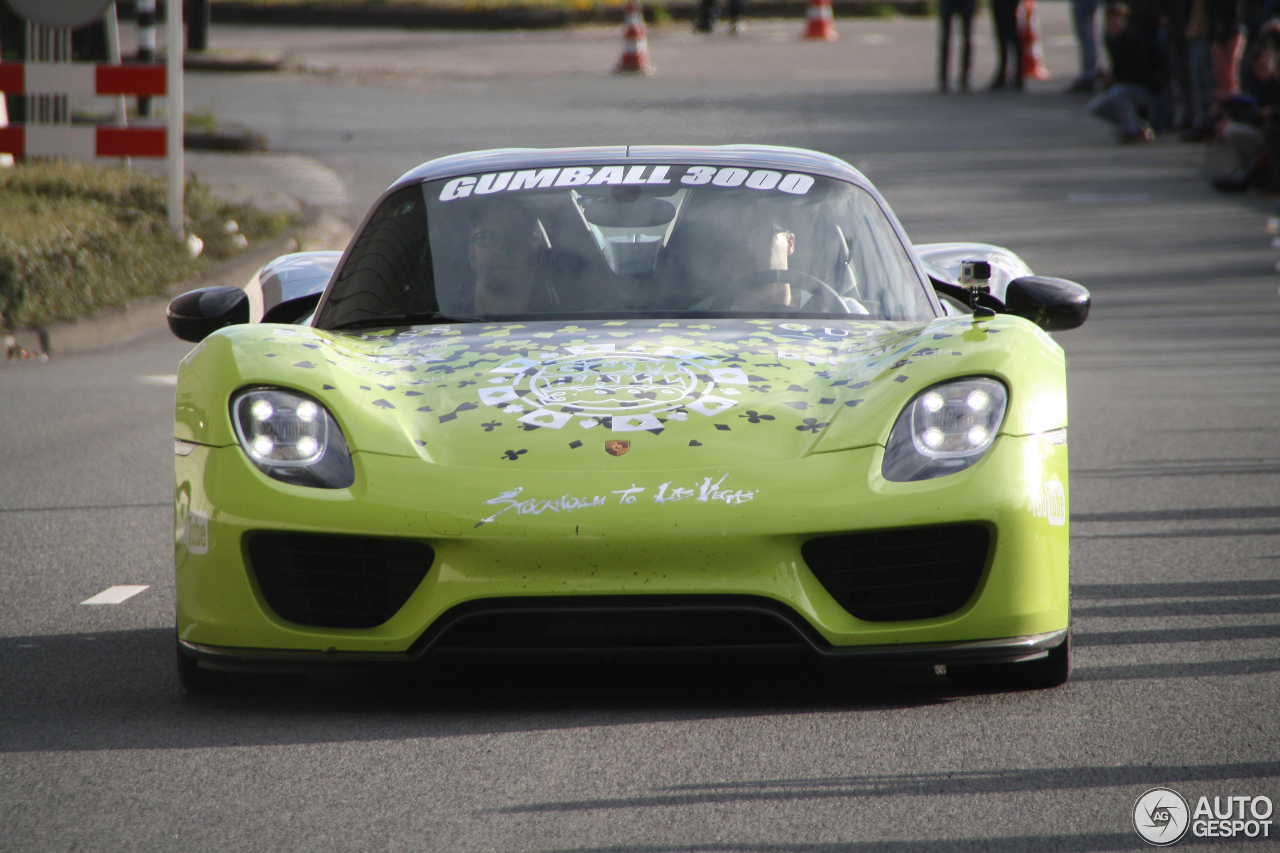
(945, 429)
(292, 438)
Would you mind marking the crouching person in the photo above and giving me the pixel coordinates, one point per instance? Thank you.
(1137, 76)
(1246, 150)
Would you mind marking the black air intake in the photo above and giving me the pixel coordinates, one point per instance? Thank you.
(618, 622)
(337, 581)
(896, 575)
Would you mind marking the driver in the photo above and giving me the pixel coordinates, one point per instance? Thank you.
(504, 250)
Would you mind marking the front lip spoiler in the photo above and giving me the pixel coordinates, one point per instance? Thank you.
(1001, 650)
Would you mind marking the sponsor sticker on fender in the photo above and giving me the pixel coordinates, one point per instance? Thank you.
(195, 533)
(793, 183)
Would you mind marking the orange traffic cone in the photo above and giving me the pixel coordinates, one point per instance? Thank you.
(1029, 38)
(635, 47)
(820, 25)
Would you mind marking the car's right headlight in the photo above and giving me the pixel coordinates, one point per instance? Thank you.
(292, 438)
(945, 429)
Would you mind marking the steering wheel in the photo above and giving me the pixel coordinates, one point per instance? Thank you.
(824, 294)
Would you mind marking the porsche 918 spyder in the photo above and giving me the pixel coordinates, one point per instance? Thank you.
(628, 397)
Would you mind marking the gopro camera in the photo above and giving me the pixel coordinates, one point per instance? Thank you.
(974, 272)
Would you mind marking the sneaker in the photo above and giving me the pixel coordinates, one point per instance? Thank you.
(1145, 134)
(736, 28)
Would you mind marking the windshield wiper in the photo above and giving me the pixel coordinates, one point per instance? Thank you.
(402, 320)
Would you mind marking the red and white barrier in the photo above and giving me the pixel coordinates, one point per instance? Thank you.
(82, 142)
(81, 78)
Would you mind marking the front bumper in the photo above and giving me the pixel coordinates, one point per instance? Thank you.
(1003, 650)
(744, 550)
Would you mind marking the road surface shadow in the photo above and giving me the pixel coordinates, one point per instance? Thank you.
(119, 690)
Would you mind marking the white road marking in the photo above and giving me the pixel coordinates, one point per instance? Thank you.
(116, 594)
(162, 379)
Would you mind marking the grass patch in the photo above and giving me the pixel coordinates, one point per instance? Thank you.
(76, 238)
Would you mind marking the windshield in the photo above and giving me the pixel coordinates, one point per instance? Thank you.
(623, 241)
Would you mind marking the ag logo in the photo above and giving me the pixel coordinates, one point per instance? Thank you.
(1161, 817)
(615, 447)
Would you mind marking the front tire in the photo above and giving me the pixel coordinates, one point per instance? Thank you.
(1047, 672)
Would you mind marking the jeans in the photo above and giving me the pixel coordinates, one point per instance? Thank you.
(1085, 12)
(1201, 93)
(1122, 105)
(1004, 14)
(947, 9)
(709, 10)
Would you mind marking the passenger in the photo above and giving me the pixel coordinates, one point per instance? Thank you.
(760, 245)
(505, 251)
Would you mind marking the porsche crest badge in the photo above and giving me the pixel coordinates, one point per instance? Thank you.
(616, 447)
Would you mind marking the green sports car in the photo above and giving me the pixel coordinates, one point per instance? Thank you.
(626, 397)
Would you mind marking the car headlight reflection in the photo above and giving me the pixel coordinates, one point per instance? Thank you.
(945, 429)
(292, 438)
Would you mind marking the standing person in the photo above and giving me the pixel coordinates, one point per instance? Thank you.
(709, 11)
(1137, 74)
(1178, 89)
(1227, 47)
(947, 9)
(1004, 15)
(1084, 14)
(1200, 64)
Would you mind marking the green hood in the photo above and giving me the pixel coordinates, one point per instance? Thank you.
(549, 395)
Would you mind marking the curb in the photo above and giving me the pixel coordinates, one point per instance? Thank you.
(233, 62)
(421, 16)
(144, 317)
(225, 139)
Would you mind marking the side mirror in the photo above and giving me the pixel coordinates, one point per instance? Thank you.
(195, 315)
(293, 310)
(1053, 304)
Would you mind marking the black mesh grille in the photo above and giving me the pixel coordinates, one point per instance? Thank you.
(337, 581)
(597, 622)
(896, 575)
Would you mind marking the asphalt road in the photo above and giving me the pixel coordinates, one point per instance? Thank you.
(1175, 512)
